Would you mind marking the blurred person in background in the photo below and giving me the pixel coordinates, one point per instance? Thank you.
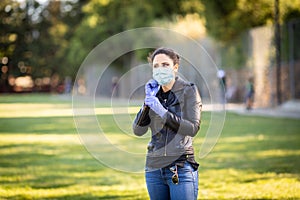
(249, 94)
(221, 74)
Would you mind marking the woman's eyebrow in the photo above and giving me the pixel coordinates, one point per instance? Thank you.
(158, 64)
(163, 63)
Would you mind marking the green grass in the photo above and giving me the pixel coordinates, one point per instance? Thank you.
(42, 157)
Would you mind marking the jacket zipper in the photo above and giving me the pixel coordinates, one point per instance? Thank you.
(166, 141)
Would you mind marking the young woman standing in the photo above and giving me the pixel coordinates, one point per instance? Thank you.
(172, 111)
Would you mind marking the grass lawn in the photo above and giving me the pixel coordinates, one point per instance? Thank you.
(42, 157)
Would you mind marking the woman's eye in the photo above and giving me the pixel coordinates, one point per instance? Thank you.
(165, 64)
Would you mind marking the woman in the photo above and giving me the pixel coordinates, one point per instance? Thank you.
(172, 111)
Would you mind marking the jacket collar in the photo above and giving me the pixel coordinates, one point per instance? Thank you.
(179, 84)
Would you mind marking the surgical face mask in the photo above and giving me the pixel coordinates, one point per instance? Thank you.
(163, 75)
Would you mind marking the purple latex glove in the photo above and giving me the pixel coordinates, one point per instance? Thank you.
(155, 105)
(151, 87)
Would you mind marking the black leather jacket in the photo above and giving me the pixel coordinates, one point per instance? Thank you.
(172, 134)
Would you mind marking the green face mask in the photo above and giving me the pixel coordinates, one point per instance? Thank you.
(163, 75)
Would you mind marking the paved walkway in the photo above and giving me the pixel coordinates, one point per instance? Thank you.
(290, 109)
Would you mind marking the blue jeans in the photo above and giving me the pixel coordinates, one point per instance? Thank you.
(160, 185)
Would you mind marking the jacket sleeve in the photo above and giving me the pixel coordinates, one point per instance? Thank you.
(141, 121)
(189, 123)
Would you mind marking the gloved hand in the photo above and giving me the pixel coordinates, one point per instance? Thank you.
(155, 105)
(151, 87)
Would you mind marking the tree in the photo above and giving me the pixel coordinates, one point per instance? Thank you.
(106, 18)
(225, 20)
(15, 36)
(36, 36)
(54, 30)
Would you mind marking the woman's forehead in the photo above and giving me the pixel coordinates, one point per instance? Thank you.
(161, 58)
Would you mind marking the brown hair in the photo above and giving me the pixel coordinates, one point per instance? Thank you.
(167, 51)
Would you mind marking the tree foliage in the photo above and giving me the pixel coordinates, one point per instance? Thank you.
(225, 20)
(106, 18)
(43, 39)
(36, 35)
(228, 21)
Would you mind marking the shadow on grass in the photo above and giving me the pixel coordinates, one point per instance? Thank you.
(55, 125)
(106, 197)
(261, 157)
(41, 165)
(83, 197)
(36, 125)
(40, 159)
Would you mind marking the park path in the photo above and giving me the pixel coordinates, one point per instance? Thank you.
(289, 109)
